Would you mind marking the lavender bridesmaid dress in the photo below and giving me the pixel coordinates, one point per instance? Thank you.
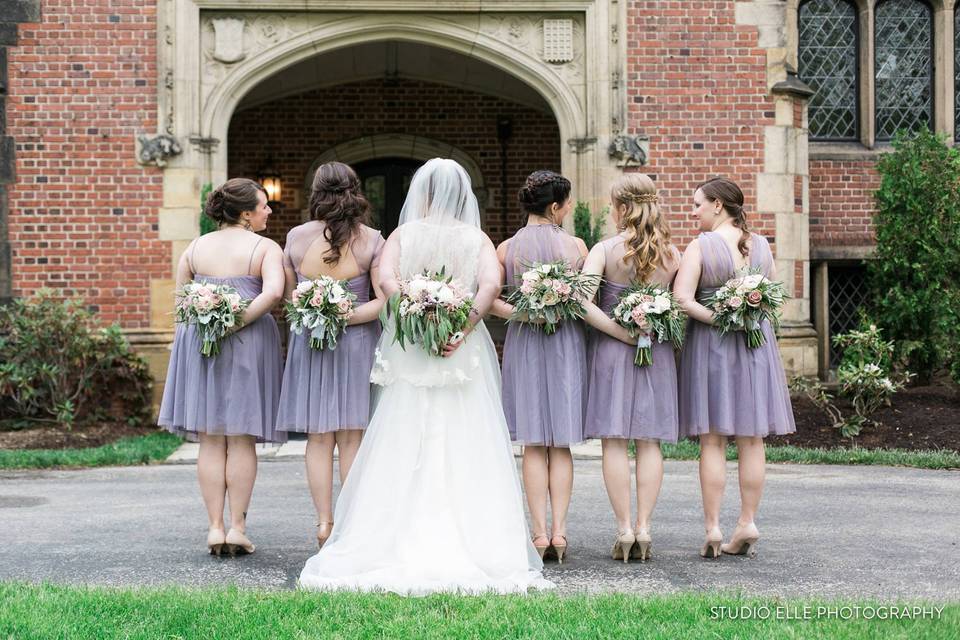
(326, 390)
(623, 400)
(726, 387)
(544, 377)
(234, 393)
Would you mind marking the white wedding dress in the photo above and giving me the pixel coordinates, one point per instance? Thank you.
(432, 502)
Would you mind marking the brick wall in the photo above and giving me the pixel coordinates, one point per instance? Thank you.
(82, 84)
(696, 84)
(297, 129)
(841, 202)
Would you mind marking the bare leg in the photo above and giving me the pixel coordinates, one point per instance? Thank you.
(319, 460)
(649, 480)
(212, 475)
(752, 472)
(560, 469)
(348, 443)
(713, 475)
(616, 478)
(241, 474)
(535, 482)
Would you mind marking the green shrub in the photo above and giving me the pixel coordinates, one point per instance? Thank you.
(207, 224)
(57, 367)
(915, 278)
(586, 227)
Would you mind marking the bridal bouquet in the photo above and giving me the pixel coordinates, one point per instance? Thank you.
(322, 307)
(213, 308)
(649, 311)
(744, 302)
(431, 309)
(550, 293)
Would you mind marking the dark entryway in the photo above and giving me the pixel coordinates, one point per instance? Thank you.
(385, 182)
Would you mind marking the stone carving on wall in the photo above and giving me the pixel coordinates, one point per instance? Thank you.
(629, 150)
(157, 150)
(558, 40)
(228, 39)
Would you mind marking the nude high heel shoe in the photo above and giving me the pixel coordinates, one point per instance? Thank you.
(238, 543)
(541, 549)
(324, 529)
(215, 541)
(561, 548)
(711, 545)
(742, 542)
(622, 546)
(641, 549)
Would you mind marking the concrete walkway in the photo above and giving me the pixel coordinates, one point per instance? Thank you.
(880, 532)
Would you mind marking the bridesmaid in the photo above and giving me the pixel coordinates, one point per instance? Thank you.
(626, 402)
(326, 394)
(230, 400)
(726, 388)
(544, 377)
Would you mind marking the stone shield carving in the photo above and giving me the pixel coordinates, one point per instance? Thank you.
(228, 39)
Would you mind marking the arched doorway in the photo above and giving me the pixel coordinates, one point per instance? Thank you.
(385, 182)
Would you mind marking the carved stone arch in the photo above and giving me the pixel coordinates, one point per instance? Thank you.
(400, 145)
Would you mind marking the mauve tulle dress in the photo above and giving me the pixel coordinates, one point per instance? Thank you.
(234, 393)
(544, 376)
(329, 390)
(623, 400)
(726, 387)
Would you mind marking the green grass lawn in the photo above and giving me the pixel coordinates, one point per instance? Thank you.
(45, 611)
(153, 447)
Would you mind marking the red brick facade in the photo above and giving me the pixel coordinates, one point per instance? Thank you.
(297, 129)
(841, 202)
(82, 85)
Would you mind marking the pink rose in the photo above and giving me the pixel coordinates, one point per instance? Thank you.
(565, 289)
(344, 306)
(526, 288)
(295, 296)
(639, 317)
(318, 298)
(754, 298)
(735, 302)
(646, 298)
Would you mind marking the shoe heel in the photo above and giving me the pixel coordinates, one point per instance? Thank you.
(560, 549)
(216, 549)
(643, 552)
(626, 548)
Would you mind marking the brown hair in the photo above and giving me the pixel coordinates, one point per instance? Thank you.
(337, 201)
(729, 195)
(541, 189)
(648, 236)
(225, 203)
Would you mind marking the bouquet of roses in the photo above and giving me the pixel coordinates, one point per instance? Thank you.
(648, 311)
(550, 293)
(213, 308)
(322, 307)
(431, 309)
(744, 302)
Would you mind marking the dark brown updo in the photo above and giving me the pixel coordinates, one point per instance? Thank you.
(336, 201)
(233, 197)
(541, 190)
(728, 194)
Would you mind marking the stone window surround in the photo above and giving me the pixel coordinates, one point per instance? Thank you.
(943, 78)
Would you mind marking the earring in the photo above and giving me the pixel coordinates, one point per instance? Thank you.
(246, 224)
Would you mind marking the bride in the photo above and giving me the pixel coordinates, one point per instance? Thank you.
(432, 502)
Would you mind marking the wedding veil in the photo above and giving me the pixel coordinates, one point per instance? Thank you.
(440, 192)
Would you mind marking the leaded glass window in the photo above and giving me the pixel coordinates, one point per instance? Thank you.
(828, 64)
(904, 70)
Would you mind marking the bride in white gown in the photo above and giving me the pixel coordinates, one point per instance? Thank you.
(433, 502)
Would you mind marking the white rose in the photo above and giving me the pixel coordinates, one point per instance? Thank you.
(433, 286)
(304, 286)
(661, 304)
(530, 276)
(416, 288)
(544, 269)
(752, 281)
(445, 296)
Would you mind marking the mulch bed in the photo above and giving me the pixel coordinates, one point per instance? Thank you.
(918, 418)
(80, 437)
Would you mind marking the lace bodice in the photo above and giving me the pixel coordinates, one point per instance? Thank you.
(425, 245)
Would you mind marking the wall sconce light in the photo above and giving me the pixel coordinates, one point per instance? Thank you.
(269, 179)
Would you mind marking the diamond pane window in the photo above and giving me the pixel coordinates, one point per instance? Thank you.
(828, 64)
(847, 295)
(904, 69)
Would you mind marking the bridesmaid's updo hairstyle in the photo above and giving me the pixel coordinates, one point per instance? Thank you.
(236, 195)
(648, 236)
(336, 200)
(541, 190)
(729, 195)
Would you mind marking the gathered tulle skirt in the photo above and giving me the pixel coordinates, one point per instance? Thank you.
(432, 502)
(730, 389)
(234, 393)
(627, 401)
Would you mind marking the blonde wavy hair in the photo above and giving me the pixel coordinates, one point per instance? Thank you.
(648, 236)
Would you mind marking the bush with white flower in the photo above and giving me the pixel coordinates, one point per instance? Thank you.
(866, 379)
(215, 309)
(744, 302)
(649, 311)
(321, 306)
(431, 309)
(549, 294)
